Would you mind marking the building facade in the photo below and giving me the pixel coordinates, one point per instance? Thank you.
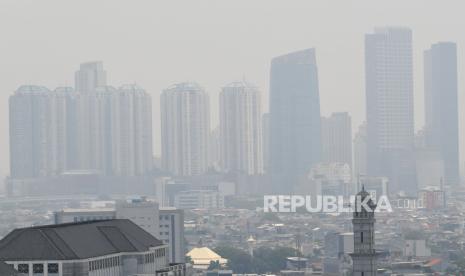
(37, 132)
(240, 129)
(172, 232)
(112, 247)
(199, 199)
(131, 131)
(266, 141)
(389, 100)
(90, 76)
(105, 130)
(114, 127)
(185, 128)
(330, 179)
(143, 213)
(295, 125)
(166, 223)
(360, 151)
(441, 106)
(336, 138)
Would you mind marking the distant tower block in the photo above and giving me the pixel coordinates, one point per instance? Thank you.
(364, 256)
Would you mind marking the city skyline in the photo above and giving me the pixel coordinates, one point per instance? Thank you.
(45, 69)
(229, 138)
(98, 128)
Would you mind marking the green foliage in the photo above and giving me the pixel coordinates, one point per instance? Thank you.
(457, 267)
(189, 260)
(269, 217)
(265, 259)
(274, 259)
(214, 265)
(239, 261)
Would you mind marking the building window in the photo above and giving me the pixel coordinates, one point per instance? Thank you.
(23, 268)
(52, 268)
(38, 268)
(361, 237)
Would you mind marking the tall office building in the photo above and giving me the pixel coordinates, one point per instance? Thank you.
(295, 125)
(71, 120)
(131, 134)
(440, 68)
(389, 100)
(266, 141)
(185, 128)
(90, 116)
(93, 129)
(37, 132)
(336, 134)
(113, 125)
(241, 129)
(90, 76)
(360, 151)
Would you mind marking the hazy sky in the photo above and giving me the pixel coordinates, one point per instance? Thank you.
(158, 43)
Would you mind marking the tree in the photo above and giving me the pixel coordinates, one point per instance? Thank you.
(274, 258)
(239, 261)
(214, 265)
(457, 267)
(265, 259)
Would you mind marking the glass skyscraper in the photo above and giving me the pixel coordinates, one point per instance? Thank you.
(440, 63)
(295, 125)
(389, 102)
